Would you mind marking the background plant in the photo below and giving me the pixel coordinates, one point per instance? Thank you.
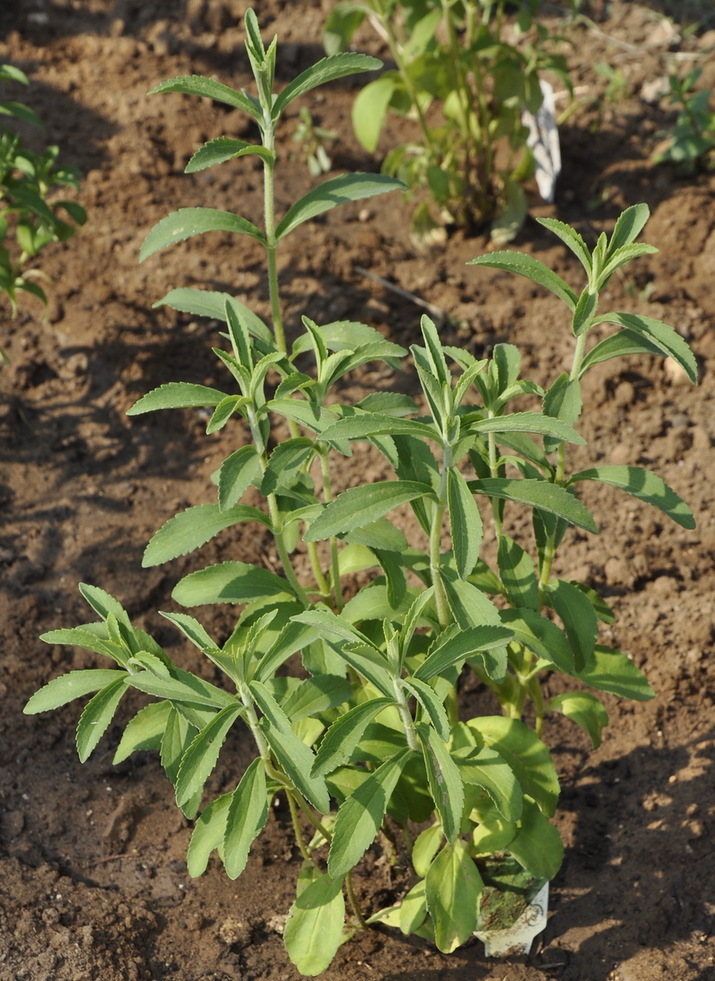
(369, 744)
(30, 216)
(467, 83)
(690, 145)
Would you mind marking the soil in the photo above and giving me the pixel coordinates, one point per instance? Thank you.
(93, 881)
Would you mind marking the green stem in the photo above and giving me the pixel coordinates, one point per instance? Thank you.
(353, 900)
(334, 555)
(297, 830)
(405, 715)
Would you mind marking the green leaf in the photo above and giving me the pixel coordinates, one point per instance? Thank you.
(288, 457)
(359, 506)
(208, 303)
(583, 314)
(228, 582)
(237, 473)
(663, 335)
(444, 779)
(247, 815)
(365, 424)
(425, 848)
(370, 109)
(539, 494)
(525, 754)
(225, 148)
(628, 227)
(537, 846)
(614, 672)
(644, 485)
(465, 523)
(69, 686)
(184, 687)
(528, 422)
(455, 645)
(361, 815)
(344, 735)
(622, 256)
(578, 617)
(541, 636)
(335, 191)
(314, 928)
(432, 705)
(380, 535)
(413, 908)
(452, 889)
(202, 755)
(487, 769)
(192, 528)
(323, 71)
(187, 222)
(340, 25)
(144, 731)
(177, 395)
(584, 709)
(516, 570)
(97, 715)
(293, 755)
(571, 238)
(208, 834)
(619, 345)
(316, 695)
(207, 88)
(533, 269)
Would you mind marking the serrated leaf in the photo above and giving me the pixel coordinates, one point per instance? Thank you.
(628, 227)
(225, 148)
(237, 473)
(247, 815)
(614, 672)
(335, 191)
(314, 928)
(619, 345)
(177, 395)
(525, 754)
(228, 582)
(543, 637)
(69, 686)
(202, 755)
(578, 617)
(465, 523)
(208, 88)
(360, 816)
(144, 731)
(209, 303)
(456, 645)
(571, 238)
(528, 422)
(187, 222)
(365, 424)
(326, 70)
(661, 334)
(208, 834)
(90, 637)
(584, 709)
(444, 780)
(645, 486)
(192, 528)
(452, 889)
(359, 506)
(516, 570)
(539, 494)
(97, 715)
(533, 269)
(344, 735)
(183, 687)
(431, 703)
(315, 695)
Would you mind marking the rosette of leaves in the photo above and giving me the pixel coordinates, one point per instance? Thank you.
(366, 742)
(466, 83)
(31, 216)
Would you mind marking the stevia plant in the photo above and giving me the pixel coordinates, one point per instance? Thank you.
(368, 745)
(690, 145)
(30, 216)
(465, 72)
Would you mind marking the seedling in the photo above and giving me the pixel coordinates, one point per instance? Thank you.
(369, 747)
(691, 143)
(28, 211)
(467, 83)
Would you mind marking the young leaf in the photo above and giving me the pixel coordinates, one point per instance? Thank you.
(343, 737)
(583, 709)
(335, 191)
(428, 698)
(465, 523)
(533, 269)
(247, 815)
(228, 582)
(359, 506)
(212, 304)
(614, 672)
(316, 695)
(578, 617)
(208, 834)
(365, 424)
(144, 731)
(314, 928)
(644, 485)
(571, 238)
(628, 227)
(177, 395)
(526, 755)
(225, 148)
(668, 340)
(539, 494)
(444, 779)
(97, 715)
(192, 528)
(619, 345)
(528, 422)
(360, 817)
(183, 688)
(69, 686)
(326, 70)
(187, 222)
(207, 88)
(456, 645)
(202, 755)
(237, 473)
(452, 889)
(425, 848)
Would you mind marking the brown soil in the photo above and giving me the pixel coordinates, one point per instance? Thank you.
(93, 883)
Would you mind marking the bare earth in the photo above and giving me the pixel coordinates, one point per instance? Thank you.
(93, 883)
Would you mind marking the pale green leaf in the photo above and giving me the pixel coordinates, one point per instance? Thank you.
(177, 395)
(314, 928)
(533, 269)
(370, 109)
(584, 709)
(452, 889)
(212, 304)
(97, 715)
(144, 731)
(344, 735)
(208, 834)
(488, 770)
(228, 582)
(539, 494)
(326, 70)
(537, 845)
(365, 424)
(661, 334)
(455, 645)
(69, 686)
(225, 148)
(528, 422)
(238, 471)
(628, 227)
(614, 672)
(208, 88)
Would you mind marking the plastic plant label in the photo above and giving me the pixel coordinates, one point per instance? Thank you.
(518, 938)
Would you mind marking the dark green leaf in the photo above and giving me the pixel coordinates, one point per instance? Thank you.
(644, 485)
(193, 527)
(187, 222)
(528, 422)
(207, 88)
(533, 269)
(455, 645)
(224, 148)
(177, 395)
(663, 335)
(578, 617)
(97, 715)
(69, 686)
(583, 709)
(628, 227)
(571, 238)
(539, 494)
(465, 523)
(228, 582)
(335, 191)
(202, 755)
(445, 781)
(208, 834)
(614, 672)
(326, 70)
(247, 815)
(144, 731)
(537, 846)
(488, 770)
(359, 506)
(237, 473)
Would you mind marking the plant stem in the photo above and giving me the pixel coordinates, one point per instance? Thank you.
(353, 901)
(297, 830)
(334, 556)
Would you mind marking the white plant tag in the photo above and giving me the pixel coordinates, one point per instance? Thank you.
(543, 140)
(517, 939)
